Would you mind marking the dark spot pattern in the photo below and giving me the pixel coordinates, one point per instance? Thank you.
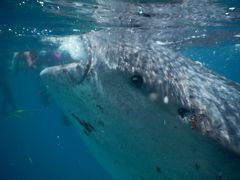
(78, 67)
(99, 107)
(146, 15)
(101, 123)
(88, 128)
(219, 176)
(197, 166)
(158, 169)
(70, 78)
(191, 96)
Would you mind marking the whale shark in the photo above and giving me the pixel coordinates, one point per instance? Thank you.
(146, 112)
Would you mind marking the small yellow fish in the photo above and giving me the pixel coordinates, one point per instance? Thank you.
(18, 113)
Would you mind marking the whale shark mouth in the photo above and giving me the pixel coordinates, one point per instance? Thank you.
(75, 76)
(86, 71)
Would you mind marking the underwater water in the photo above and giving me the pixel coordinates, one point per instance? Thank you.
(37, 141)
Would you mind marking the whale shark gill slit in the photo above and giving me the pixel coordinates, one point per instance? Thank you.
(75, 80)
(88, 128)
(86, 71)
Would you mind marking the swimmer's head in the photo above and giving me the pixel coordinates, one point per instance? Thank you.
(24, 60)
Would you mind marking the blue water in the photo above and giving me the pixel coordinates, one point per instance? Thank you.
(39, 144)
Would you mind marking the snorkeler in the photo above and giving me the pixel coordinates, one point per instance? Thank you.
(39, 60)
(54, 58)
(30, 58)
(8, 107)
(26, 59)
(7, 97)
(7, 100)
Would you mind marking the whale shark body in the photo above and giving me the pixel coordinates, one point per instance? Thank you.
(146, 112)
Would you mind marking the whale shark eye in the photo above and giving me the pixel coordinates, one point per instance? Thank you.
(137, 80)
(183, 112)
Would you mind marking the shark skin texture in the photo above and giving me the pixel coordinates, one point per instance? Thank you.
(146, 112)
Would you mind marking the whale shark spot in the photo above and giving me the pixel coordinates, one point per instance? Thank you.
(99, 107)
(158, 169)
(101, 123)
(197, 166)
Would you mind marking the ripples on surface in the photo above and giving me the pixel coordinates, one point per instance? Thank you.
(175, 22)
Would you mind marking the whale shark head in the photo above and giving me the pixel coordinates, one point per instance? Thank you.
(129, 108)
